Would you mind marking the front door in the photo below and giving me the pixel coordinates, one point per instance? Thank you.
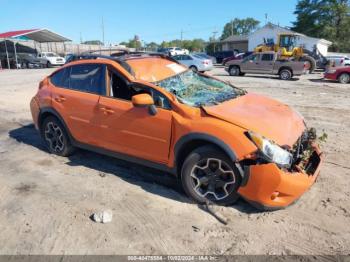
(132, 130)
(251, 64)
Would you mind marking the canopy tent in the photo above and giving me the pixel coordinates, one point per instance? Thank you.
(37, 35)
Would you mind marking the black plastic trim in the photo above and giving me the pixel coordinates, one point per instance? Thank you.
(200, 136)
(246, 176)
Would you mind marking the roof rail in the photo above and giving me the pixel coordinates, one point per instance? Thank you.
(121, 59)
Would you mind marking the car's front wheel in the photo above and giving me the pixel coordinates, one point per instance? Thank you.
(234, 71)
(56, 137)
(209, 175)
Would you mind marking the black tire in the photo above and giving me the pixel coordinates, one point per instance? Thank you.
(215, 186)
(48, 64)
(56, 137)
(194, 68)
(344, 78)
(234, 70)
(311, 61)
(285, 74)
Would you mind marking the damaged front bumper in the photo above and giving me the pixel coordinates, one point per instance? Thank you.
(269, 187)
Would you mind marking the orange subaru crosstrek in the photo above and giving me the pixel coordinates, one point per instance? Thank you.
(221, 141)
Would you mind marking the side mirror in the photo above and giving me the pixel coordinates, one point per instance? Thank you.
(144, 100)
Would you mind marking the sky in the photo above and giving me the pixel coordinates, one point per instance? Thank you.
(151, 20)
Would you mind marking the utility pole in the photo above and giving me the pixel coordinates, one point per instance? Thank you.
(214, 37)
(231, 27)
(81, 39)
(182, 34)
(103, 32)
(266, 16)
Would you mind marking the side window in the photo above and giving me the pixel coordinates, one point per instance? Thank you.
(254, 58)
(61, 78)
(120, 89)
(160, 100)
(88, 78)
(267, 57)
(187, 57)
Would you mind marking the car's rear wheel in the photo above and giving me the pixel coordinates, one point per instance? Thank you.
(344, 78)
(234, 71)
(209, 175)
(194, 68)
(56, 137)
(285, 74)
(48, 65)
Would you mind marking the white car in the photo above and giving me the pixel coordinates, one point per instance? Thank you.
(49, 59)
(338, 61)
(177, 51)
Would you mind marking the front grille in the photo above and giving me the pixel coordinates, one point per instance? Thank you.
(300, 146)
(304, 155)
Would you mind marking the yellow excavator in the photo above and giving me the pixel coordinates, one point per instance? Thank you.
(287, 49)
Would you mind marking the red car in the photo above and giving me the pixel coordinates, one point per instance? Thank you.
(239, 56)
(341, 74)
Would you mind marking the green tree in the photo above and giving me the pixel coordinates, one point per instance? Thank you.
(239, 27)
(152, 45)
(92, 42)
(328, 19)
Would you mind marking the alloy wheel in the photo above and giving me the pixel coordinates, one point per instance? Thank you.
(213, 179)
(234, 71)
(285, 75)
(54, 137)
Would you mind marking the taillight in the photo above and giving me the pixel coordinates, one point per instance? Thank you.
(205, 62)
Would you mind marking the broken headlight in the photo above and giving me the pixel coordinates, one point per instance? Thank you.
(270, 151)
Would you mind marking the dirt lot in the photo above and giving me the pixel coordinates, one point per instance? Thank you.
(46, 200)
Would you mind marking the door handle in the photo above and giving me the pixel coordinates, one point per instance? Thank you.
(106, 110)
(60, 99)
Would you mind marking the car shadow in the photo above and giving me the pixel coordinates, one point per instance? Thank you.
(322, 80)
(167, 185)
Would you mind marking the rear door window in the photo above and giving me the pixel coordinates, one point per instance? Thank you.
(61, 78)
(88, 78)
(267, 57)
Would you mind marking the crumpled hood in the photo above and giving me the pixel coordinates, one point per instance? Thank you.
(262, 115)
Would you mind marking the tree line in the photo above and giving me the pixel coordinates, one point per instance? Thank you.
(328, 19)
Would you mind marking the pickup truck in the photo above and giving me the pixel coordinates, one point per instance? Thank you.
(49, 59)
(265, 63)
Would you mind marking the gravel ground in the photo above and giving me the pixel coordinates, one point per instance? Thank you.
(46, 201)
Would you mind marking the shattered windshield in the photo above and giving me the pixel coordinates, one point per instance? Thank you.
(198, 90)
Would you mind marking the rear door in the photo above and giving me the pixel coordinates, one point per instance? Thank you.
(75, 96)
(266, 63)
(187, 60)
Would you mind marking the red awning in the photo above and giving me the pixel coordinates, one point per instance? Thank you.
(38, 35)
(16, 33)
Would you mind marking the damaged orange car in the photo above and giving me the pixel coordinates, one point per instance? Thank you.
(221, 141)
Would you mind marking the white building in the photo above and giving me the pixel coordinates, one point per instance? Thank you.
(271, 31)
